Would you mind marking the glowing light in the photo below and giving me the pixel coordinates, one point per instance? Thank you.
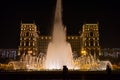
(30, 52)
(83, 52)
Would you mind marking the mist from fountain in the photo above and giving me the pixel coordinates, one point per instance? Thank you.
(59, 51)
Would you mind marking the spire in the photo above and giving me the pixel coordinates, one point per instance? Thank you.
(33, 21)
(21, 21)
(97, 22)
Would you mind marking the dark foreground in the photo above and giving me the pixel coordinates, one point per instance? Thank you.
(59, 75)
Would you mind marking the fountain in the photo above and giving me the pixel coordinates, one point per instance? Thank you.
(59, 51)
(28, 62)
(89, 63)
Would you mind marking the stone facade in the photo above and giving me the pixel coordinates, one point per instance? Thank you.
(90, 39)
(28, 39)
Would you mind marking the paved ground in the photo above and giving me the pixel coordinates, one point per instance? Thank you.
(59, 75)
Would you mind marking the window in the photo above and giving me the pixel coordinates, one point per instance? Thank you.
(49, 37)
(91, 42)
(96, 38)
(68, 37)
(27, 34)
(27, 43)
(91, 34)
(87, 43)
(42, 37)
(76, 38)
(72, 37)
(22, 43)
(33, 44)
(92, 52)
(21, 38)
(32, 28)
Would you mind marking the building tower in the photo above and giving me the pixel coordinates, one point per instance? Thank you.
(28, 39)
(90, 39)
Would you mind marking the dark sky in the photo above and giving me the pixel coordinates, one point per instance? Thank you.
(75, 14)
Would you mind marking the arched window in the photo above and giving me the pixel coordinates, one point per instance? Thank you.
(96, 43)
(87, 43)
(92, 52)
(31, 43)
(27, 43)
(91, 34)
(27, 33)
(22, 43)
(91, 42)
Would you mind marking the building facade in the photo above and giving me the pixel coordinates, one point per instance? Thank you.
(33, 43)
(28, 39)
(73, 40)
(90, 39)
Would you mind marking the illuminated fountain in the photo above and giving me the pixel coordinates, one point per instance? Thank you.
(28, 62)
(59, 51)
(89, 63)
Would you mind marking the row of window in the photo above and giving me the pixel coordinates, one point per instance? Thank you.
(87, 29)
(28, 26)
(73, 37)
(27, 43)
(67, 37)
(91, 43)
(30, 39)
(28, 34)
(31, 29)
(28, 48)
(93, 38)
(91, 26)
(91, 34)
(31, 34)
(45, 37)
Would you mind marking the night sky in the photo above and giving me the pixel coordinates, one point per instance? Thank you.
(75, 14)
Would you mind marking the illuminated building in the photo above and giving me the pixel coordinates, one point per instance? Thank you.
(43, 43)
(32, 42)
(73, 40)
(28, 39)
(75, 43)
(90, 39)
